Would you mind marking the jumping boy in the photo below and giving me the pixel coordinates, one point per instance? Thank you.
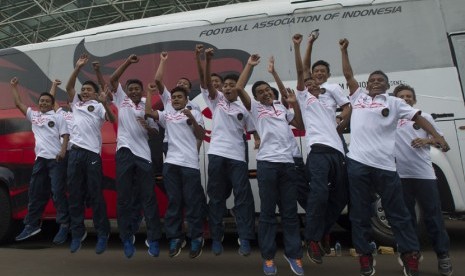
(48, 172)
(419, 184)
(371, 165)
(133, 163)
(275, 168)
(181, 173)
(84, 162)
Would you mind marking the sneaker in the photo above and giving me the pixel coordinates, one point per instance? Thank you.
(325, 245)
(217, 247)
(296, 265)
(76, 243)
(28, 232)
(444, 265)
(196, 247)
(62, 234)
(244, 247)
(314, 253)
(175, 247)
(128, 248)
(101, 245)
(367, 265)
(410, 262)
(154, 248)
(269, 267)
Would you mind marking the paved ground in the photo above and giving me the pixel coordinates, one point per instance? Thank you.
(37, 257)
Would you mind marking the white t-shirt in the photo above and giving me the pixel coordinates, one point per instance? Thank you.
(182, 144)
(68, 116)
(319, 121)
(413, 162)
(131, 134)
(166, 100)
(272, 123)
(88, 120)
(333, 97)
(47, 128)
(373, 128)
(230, 121)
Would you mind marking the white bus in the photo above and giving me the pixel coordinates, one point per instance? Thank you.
(420, 43)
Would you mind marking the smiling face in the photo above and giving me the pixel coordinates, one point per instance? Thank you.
(45, 103)
(377, 84)
(407, 96)
(217, 83)
(228, 90)
(178, 100)
(320, 74)
(88, 93)
(264, 94)
(134, 92)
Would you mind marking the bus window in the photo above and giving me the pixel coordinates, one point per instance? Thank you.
(458, 43)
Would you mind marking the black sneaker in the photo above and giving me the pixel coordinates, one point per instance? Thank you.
(175, 247)
(444, 265)
(314, 253)
(367, 265)
(410, 262)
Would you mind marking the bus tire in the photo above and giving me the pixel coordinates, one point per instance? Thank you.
(382, 232)
(7, 224)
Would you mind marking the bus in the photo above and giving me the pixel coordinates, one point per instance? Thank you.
(416, 42)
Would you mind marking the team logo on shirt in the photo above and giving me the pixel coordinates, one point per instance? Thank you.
(240, 116)
(51, 124)
(385, 112)
(91, 108)
(415, 126)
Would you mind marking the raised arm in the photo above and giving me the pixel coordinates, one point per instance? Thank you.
(346, 67)
(148, 102)
(114, 79)
(83, 59)
(98, 73)
(277, 79)
(14, 90)
(245, 98)
(160, 72)
(297, 39)
(103, 99)
(297, 121)
(53, 92)
(438, 139)
(308, 54)
(212, 92)
(247, 71)
(198, 53)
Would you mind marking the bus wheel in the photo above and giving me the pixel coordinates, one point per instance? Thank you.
(382, 232)
(6, 222)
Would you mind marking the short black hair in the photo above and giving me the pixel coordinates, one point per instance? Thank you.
(188, 80)
(216, 75)
(136, 81)
(91, 83)
(321, 62)
(257, 84)
(233, 77)
(180, 89)
(401, 87)
(379, 72)
(48, 95)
